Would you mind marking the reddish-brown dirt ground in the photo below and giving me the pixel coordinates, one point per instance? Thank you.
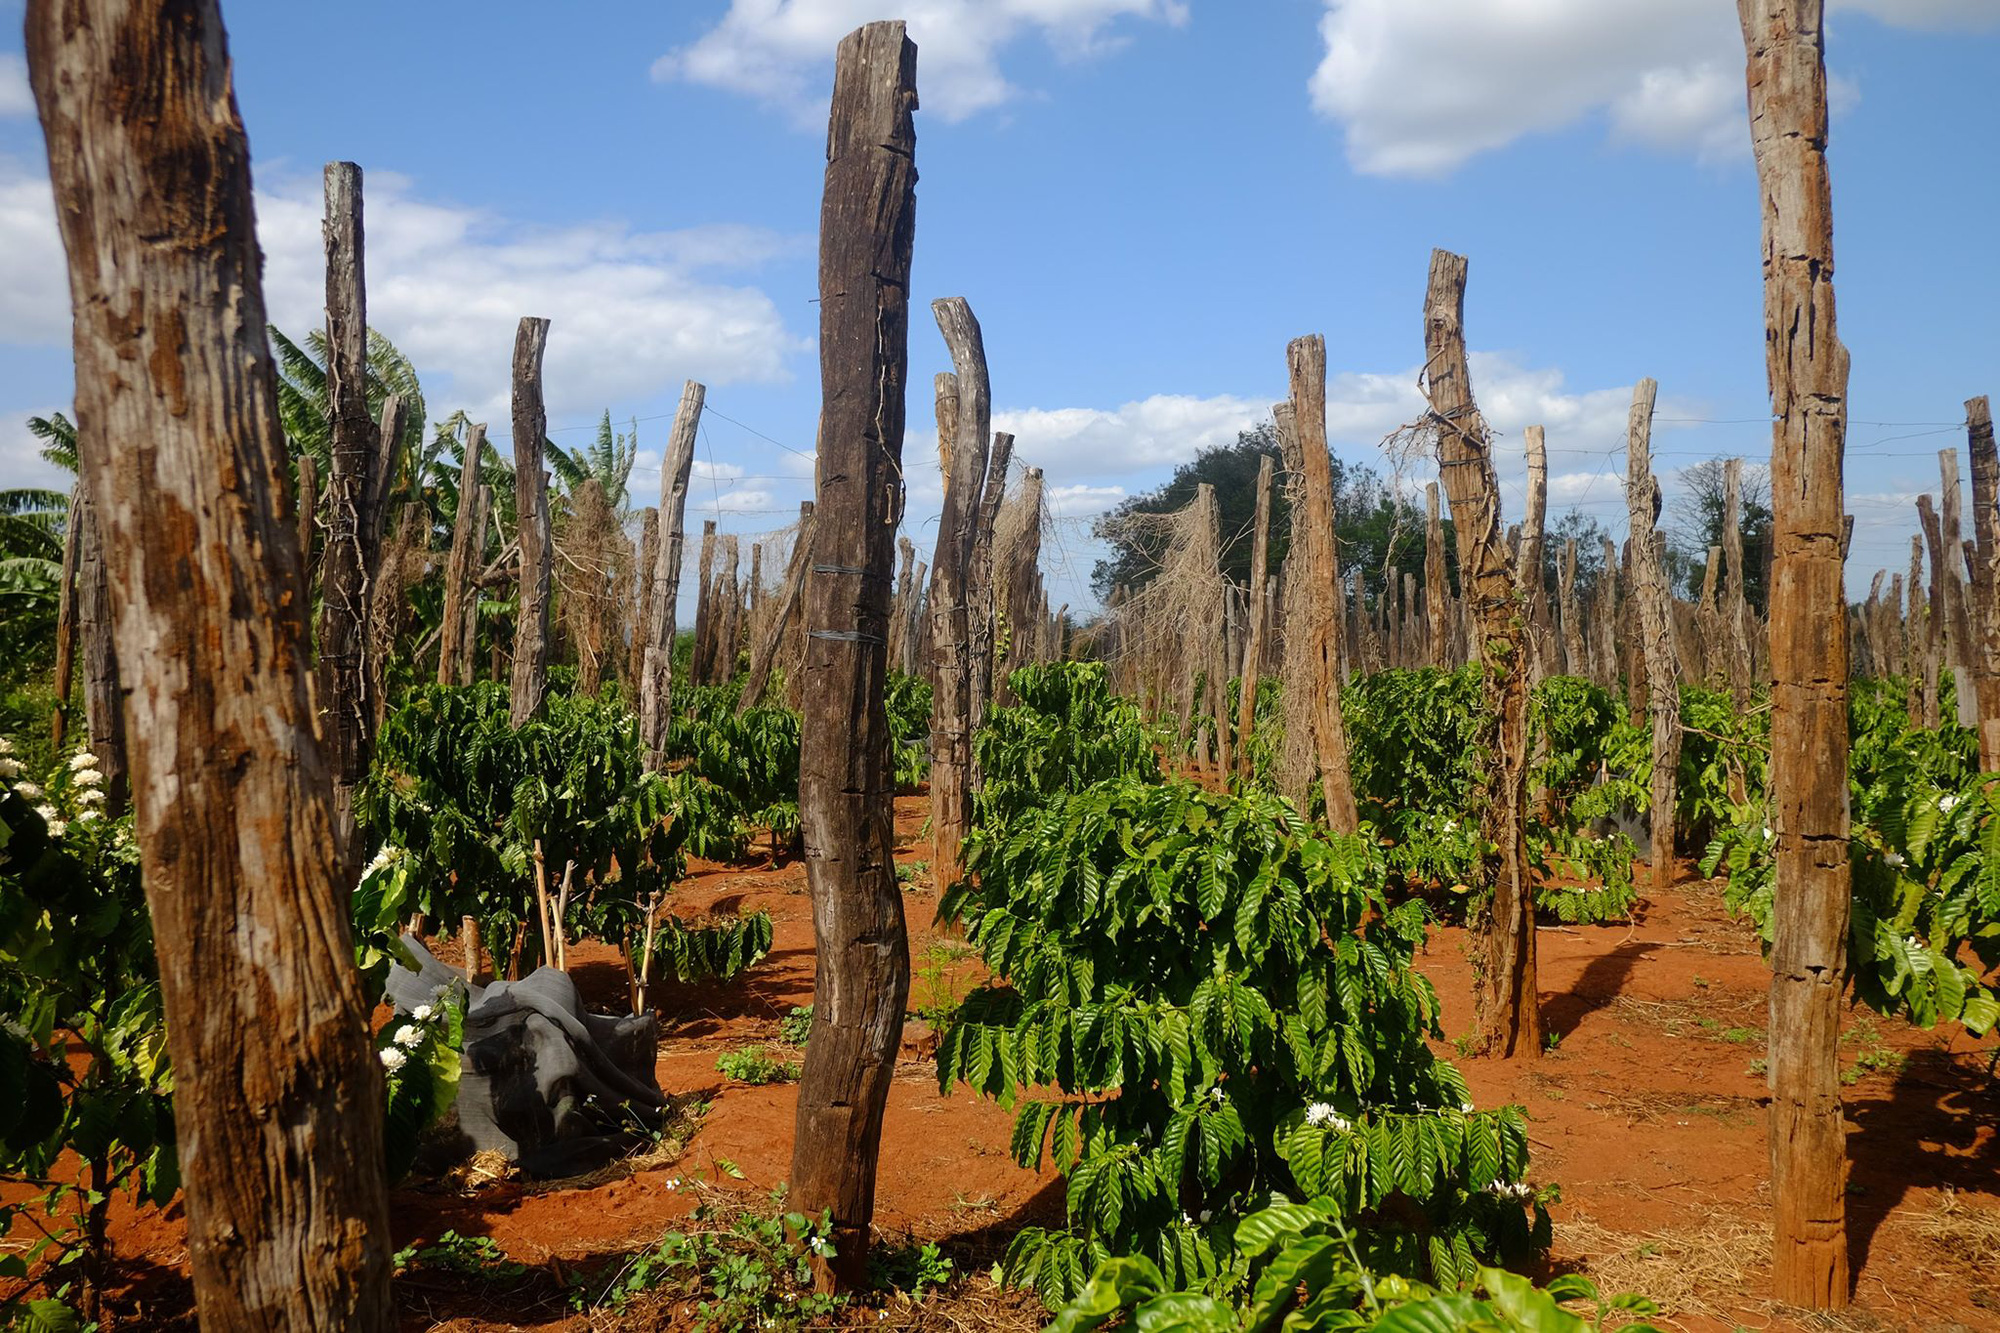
(1648, 1113)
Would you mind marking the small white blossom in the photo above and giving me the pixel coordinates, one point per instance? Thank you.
(89, 777)
(1215, 1095)
(1768, 835)
(1500, 1189)
(673, 1182)
(48, 813)
(1451, 826)
(382, 858)
(441, 991)
(391, 1058)
(819, 1245)
(87, 816)
(422, 1013)
(1894, 860)
(1206, 1214)
(1947, 803)
(1186, 1220)
(28, 790)
(81, 760)
(90, 796)
(409, 1035)
(57, 828)
(1467, 1107)
(6, 746)
(1321, 1115)
(10, 768)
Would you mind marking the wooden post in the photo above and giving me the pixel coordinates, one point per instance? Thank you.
(1511, 1012)
(701, 662)
(343, 622)
(1305, 360)
(862, 976)
(1253, 648)
(280, 1137)
(1528, 561)
(1784, 41)
(1958, 637)
(388, 607)
(1649, 593)
(66, 620)
(103, 698)
(901, 604)
(1922, 644)
(1712, 646)
(1604, 618)
(1985, 576)
(656, 672)
(764, 655)
(1206, 649)
(729, 624)
(964, 418)
(915, 623)
(643, 572)
(456, 630)
(531, 518)
(1437, 592)
(308, 517)
(979, 585)
(1736, 611)
(1574, 662)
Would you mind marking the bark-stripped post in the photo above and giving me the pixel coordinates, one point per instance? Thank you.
(388, 608)
(1253, 647)
(1941, 652)
(901, 604)
(343, 619)
(103, 698)
(1710, 644)
(374, 522)
(862, 976)
(1574, 658)
(1985, 576)
(1511, 1012)
(729, 623)
(701, 662)
(308, 518)
(657, 669)
(1528, 561)
(917, 623)
(461, 570)
(1437, 592)
(280, 1137)
(1958, 655)
(1017, 595)
(1604, 618)
(980, 593)
(531, 518)
(642, 593)
(964, 420)
(1921, 651)
(1207, 649)
(66, 620)
(1784, 41)
(1656, 626)
(765, 654)
(1305, 360)
(1735, 611)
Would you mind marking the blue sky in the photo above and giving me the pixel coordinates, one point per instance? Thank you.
(1142, 199)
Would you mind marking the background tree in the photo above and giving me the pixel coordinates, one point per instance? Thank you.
(1588, 534)
(1377, 529)
(31, 552)
(1697, 525)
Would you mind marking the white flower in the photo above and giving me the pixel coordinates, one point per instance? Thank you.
(422, 1013)
(89, 777)
(86, 816)
(410, 1035)
(81, 760)
(1206, 1214)
(57, 828)
(90, 796)
(391, 1058)
(28, 790)
(674, 1182)
(1321, 1115)
(1894, 860)
(441, 991)
(1186, 1220)
(1451, 826)
(6, 746)
(819, 1245)
(382, 858)
(47, 812)
(1215, 1095)
(1502, 1190)
(10, 768)
(1768, 835)
(1947, 804)
(1467, 1107)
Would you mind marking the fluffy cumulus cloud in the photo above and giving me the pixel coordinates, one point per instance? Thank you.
(1419, 89)
(15, 99)
(781, 51)
(634, 312)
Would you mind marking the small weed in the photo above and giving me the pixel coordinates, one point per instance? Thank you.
(466, 1256)
(937, 982)
(1758, 1068)
(974, 1203)
(1552, 1041)
(916, 874)
(1465, 1043)
(1740, 1035)
(752, 1065)
(1700, 982)
(796, 1027)
(912, 1269)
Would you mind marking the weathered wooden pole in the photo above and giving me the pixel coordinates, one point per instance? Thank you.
(456, 640)
(103, 697)
(1649, 592)
(901, 603)
(343, 621)
(701, 662)
(1985, 576)
(1736, 609)
(1574, 656)
(1018, 554)
(1921, 638)
(1305, 360)
(964, 418)
(308, 517)
(643, 561)
(1511, 1013)
(1784, 42)
(981, 601)
(657, 670)
(1959, 641)
(1528, 560)
(1437, 591)
(862, 976)
(1604, 618)
(531, 518)
(1253, 647)
(66, 619)
(379, 641)
(729, 624)
(280, 1134)
(764, 655)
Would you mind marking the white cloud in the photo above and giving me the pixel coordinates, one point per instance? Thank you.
(703, 470)
(781, 51)
(15, 97)
(1164, 429)
(1421, 88)
(34, 280)
(1082, 499)
(21, 462)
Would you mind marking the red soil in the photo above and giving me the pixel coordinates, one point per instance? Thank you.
(1649, 1114)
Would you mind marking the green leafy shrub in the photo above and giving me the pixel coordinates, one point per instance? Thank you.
(1581, 779)
(716, 950)
(754, 1065)
(909, 702)
(1066, 732)
(420, 1055)
(1412, 739)
(741, 1270)
(750, 761)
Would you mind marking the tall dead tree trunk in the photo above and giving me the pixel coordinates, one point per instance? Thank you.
(343, 620)
(979, 586)
(531, 520)
(1784, 41)
(1437, 591)
(1656, 625)
(1019, 558)
(765, 654)
(1985, 576)
(1511, 1013)
(461, 570)
(1259, 614)
(1320, 569)
(862, 976)
(1920, 635)
(1528, 561)
(701, 662)
(964, 417)
(308, 519)
(1736, 609)
(656, 674)
(1604, 618)
(644, 570)
(1574, 656)
(280, 1137)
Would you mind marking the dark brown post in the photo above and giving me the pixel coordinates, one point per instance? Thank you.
(1437, 591)
(1920, 636)
(1784, 40)
(1320, 569)
(280, 1136)
(656, 673)
(1736, 610)
(1604, 618)
(1511, 1013)
(964, 417)
(701, 661)
(902, 602)
(308, 516)
(531, 518)
(1574, 662)
(729, 624)
(765, 654)
(862, 977)
(1649, 593)
(103, 698)
(1985, 576)
(1253, 648)
(343, 620)
(457, 628)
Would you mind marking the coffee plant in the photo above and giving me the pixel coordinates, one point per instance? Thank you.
(909, 703)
